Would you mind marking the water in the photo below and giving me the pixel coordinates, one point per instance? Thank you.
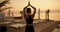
(52, 16)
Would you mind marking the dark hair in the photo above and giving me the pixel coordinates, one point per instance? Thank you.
(28, 10)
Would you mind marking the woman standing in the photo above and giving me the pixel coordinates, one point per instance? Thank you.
(29, 18)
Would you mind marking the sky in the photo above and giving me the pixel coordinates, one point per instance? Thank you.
(42, 4)
(39, 4)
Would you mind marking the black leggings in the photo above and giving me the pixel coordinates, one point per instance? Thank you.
(29, 28)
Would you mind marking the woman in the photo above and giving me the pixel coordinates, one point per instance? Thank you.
(29, 18)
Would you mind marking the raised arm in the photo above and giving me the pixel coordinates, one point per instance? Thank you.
(33, 11)
(24, 9)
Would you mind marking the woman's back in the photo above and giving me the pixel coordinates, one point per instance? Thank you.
(29, 20)
(29, 24)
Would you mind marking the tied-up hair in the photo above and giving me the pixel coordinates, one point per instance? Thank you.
(28, 10)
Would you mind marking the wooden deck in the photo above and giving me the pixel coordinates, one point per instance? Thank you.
(46, 26)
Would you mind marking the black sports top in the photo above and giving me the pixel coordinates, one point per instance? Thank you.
(29, 20)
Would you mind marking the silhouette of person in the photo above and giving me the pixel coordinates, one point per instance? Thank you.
(47, 14)
(29, 18)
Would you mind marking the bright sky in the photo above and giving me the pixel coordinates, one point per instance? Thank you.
(42, 4)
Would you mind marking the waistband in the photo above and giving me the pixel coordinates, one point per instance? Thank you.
(29, 24)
